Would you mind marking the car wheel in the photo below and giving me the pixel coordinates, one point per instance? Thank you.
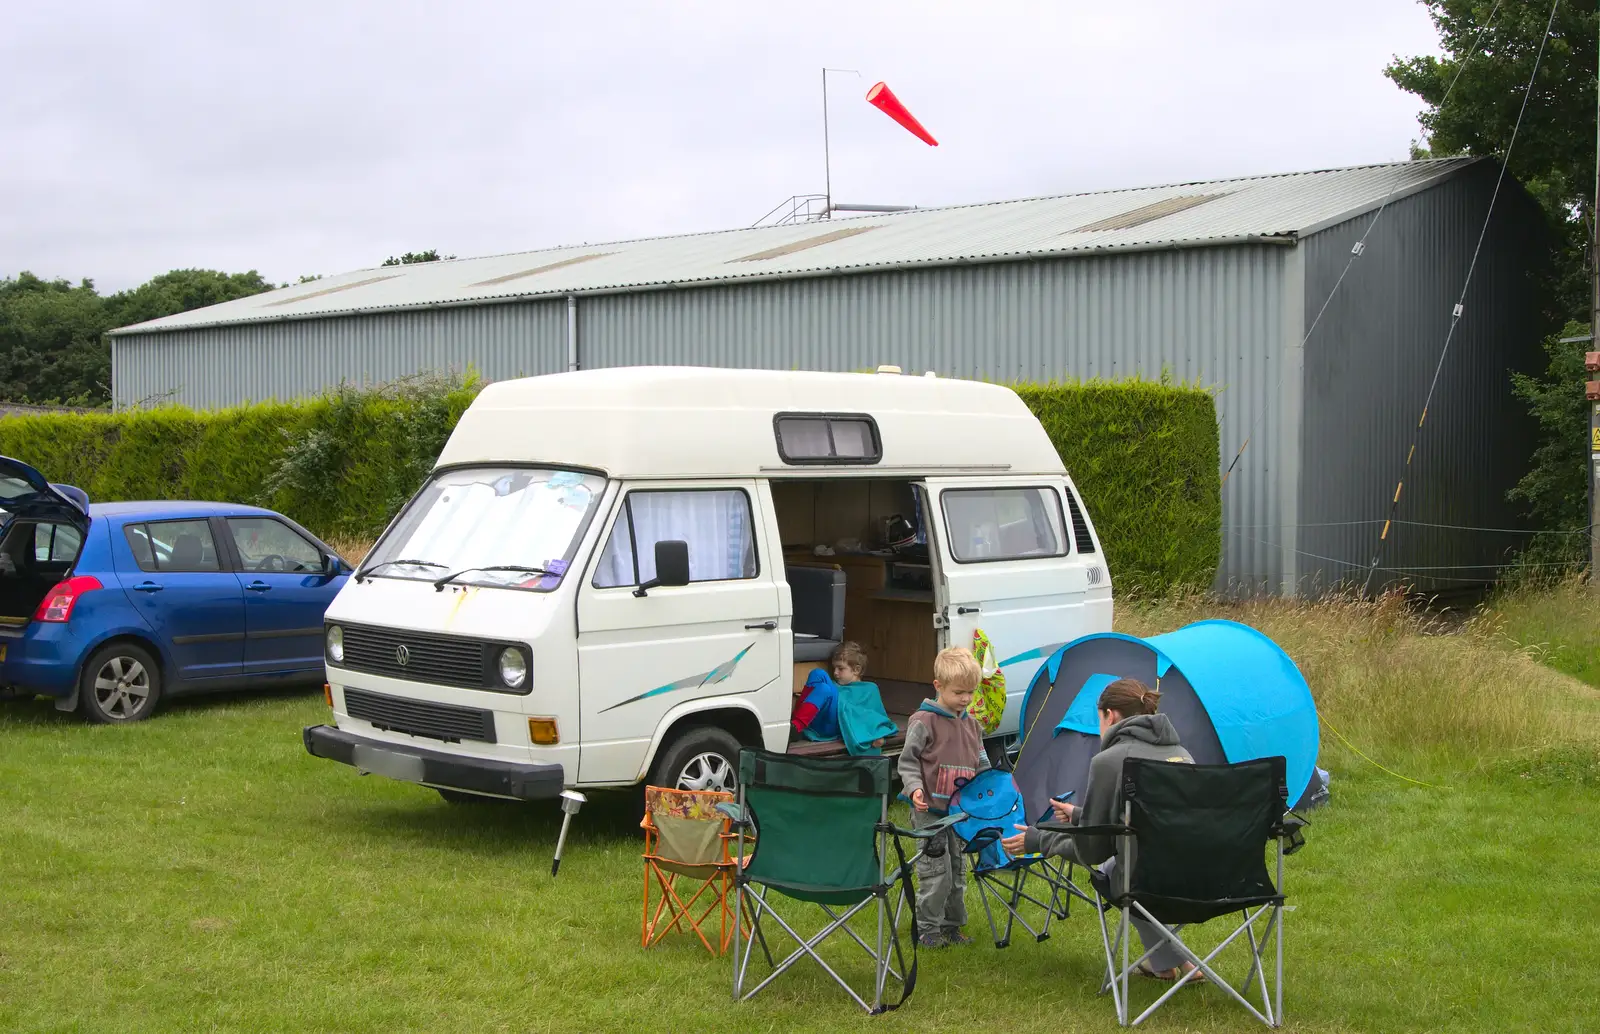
(702, 758)
(121, 683)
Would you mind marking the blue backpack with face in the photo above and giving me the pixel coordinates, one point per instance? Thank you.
(993, 807)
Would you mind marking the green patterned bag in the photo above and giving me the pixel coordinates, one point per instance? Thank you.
(989, 702)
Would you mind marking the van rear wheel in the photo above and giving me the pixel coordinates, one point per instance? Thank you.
(702, 758)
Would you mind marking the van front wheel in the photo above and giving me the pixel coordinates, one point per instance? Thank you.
(702, 758)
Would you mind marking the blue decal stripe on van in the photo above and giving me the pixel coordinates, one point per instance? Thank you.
(1038, 654)
(720, 673)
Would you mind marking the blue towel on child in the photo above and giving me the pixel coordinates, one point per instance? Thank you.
(862, 718)
(823, 693)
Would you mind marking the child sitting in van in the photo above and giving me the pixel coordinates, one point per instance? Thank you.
(943, 749)
(816, 705)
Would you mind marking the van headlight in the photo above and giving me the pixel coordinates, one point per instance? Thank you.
(513, 667)
(335, 640)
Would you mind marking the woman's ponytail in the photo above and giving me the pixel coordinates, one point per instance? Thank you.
(1129, 697)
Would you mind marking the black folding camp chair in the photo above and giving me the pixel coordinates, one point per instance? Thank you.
(1192, 846)
(823, 836)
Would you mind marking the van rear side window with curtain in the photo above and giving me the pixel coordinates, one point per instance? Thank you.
(827, 438)
(987, 524)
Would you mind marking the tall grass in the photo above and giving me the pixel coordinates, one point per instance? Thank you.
(352, 547)
(1557, 623)
(1402, 684)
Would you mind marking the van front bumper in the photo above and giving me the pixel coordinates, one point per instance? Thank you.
(530, 782)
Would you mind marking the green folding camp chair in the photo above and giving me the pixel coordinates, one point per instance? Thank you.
(823, 837)
(1192, 847)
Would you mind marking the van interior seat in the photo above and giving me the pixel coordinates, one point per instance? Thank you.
(818, 597)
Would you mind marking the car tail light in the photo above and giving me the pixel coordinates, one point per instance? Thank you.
(59, 601)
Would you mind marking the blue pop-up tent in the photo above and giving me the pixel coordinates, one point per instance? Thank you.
(1232, 693)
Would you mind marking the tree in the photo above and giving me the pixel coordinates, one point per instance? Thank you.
(1555, 147)
(180, 291)
(53, 347)
(412, 257)
(1556, 485)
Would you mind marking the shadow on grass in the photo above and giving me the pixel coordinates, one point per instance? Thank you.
(497, 827)
(41, 711)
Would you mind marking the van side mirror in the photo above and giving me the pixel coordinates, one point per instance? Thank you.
(672, 566)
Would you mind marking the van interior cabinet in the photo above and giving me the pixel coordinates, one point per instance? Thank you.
(903, 642)
(894, 626)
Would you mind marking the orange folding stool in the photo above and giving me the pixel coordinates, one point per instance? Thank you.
(688, 865)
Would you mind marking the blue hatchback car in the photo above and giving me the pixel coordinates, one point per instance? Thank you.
(112, 608)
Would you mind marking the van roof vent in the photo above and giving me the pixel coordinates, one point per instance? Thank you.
(889, 369)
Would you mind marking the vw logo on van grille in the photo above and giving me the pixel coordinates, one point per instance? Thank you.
(402, 655)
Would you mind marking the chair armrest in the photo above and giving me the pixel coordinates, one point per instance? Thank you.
(1110, 830)
(739, 816)
(1288, 830)
(933, 829)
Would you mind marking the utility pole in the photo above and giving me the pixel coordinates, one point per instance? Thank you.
(1592, 359)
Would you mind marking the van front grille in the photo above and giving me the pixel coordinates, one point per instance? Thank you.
(441, 660)
(445, 722)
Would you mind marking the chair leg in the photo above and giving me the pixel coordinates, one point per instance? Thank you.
(994, 931)
(1111, 957)
(1202, 965)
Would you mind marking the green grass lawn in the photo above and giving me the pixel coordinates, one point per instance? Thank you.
(201, 872)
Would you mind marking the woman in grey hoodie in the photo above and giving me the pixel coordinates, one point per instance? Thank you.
(1129, 728)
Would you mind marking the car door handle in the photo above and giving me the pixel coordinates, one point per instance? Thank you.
(966, 610)
(767, 626)
(258, 586)
(147, 587)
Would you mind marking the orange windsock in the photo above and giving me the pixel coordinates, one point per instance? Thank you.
(883, 98)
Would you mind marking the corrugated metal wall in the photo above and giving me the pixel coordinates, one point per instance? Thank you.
(223, 366)
(1213, 316)
(1367, 370)
(1217, 316)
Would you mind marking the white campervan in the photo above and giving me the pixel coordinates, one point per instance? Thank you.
(621, 575)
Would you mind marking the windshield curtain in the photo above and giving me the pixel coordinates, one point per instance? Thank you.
(468, 519)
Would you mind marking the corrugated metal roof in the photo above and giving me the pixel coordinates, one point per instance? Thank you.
(1281, 207)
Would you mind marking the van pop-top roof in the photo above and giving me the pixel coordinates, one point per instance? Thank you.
(683, 422)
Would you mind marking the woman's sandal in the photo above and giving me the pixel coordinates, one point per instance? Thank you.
(1169, 976)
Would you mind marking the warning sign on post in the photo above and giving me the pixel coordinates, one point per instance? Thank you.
(1594, 439)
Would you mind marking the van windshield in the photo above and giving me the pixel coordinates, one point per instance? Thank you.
(470, 521)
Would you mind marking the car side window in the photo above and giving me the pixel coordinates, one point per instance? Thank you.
(173, 547)
(269, 546)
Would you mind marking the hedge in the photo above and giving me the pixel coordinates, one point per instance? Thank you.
(1145, 457)
(1143, 454)
(341, 465)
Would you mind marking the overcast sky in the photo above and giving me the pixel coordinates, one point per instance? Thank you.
(321, 137)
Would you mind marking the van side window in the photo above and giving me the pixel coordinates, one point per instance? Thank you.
(716, 523)
(1003, 523)
(1080, 527)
